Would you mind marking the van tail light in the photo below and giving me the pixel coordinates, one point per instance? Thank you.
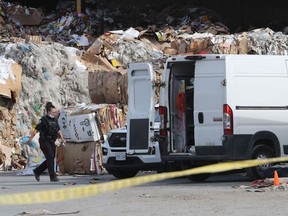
(163, 120)
(227, 119)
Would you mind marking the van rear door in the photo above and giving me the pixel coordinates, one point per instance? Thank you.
(209, 98)
(140, 120)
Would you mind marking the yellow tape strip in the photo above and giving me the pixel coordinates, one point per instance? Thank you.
(77, 192)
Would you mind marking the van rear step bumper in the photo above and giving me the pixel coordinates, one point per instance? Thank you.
(133, 163)
(205, 158)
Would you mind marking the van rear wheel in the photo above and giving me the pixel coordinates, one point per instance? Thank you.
(199, 177)
(260, 152)
(122, 174)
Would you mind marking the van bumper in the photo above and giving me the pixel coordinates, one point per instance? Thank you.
(131, 163)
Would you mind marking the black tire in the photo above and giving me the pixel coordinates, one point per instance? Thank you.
(199, 177)
(122, 174)
(258, 152)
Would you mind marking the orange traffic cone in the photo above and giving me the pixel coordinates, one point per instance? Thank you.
(276, 179)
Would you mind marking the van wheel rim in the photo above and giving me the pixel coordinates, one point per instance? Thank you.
(264, 166)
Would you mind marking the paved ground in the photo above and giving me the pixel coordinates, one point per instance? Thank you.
(170, 197)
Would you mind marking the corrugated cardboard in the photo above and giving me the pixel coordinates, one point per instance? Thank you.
(102, 63)
(77, 157)
(11, 88)
(34, 18)
(83, 128)
(7, 151)
(33, 39)
(96, 46)
(63, 123)
(99, 91)
(170, 51)
(60, 152)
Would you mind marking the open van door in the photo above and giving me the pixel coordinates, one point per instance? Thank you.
(208, 110)
(140, 119)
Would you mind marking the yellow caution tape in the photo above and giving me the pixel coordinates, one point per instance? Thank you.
(57, 195)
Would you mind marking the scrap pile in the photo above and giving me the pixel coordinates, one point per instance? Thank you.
(111, 53)
(263, 185)
(69, 28)
(42, 63)
(49, 73)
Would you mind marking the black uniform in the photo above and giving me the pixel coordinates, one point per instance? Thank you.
(48, 128)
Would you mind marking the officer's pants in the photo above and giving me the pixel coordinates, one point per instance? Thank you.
(48, 149)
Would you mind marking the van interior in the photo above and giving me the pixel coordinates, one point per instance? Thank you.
(181, 101)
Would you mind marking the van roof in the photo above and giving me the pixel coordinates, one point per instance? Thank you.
(220, 56)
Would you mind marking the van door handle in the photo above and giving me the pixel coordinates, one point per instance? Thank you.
(200, 118)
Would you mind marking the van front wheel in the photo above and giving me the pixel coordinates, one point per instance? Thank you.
(260, 152)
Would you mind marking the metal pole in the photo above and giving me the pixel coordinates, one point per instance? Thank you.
(78, 6)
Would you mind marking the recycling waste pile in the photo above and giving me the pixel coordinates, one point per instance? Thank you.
(65, 57)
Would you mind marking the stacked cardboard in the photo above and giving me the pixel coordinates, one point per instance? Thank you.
(10, 86)
(84, 126)
(77, 157)
(88, 123)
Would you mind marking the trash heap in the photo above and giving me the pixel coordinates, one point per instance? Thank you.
(264, 185)
(49, 69)
(111, 53)
(50, 72)
(69, 28)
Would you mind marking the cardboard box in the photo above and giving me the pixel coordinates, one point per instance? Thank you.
(83, 128)
(77, 157)
(33, 18)
(10, 78)
(63, 123)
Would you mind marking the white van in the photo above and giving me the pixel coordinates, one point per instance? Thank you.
(212, 108)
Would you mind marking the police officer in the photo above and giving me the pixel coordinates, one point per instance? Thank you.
(49, 131)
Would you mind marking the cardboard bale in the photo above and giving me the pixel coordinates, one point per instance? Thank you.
(122, 88)
(2, 159)
(10, 79)
(243, 46)
(107, 87)
(199, 45)
(182, 48)
(233, 49)
(33, 18)
(77, 157)
(8, 129)
(16, 40)
(170, 51)
(7, 151)
(33, 39)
